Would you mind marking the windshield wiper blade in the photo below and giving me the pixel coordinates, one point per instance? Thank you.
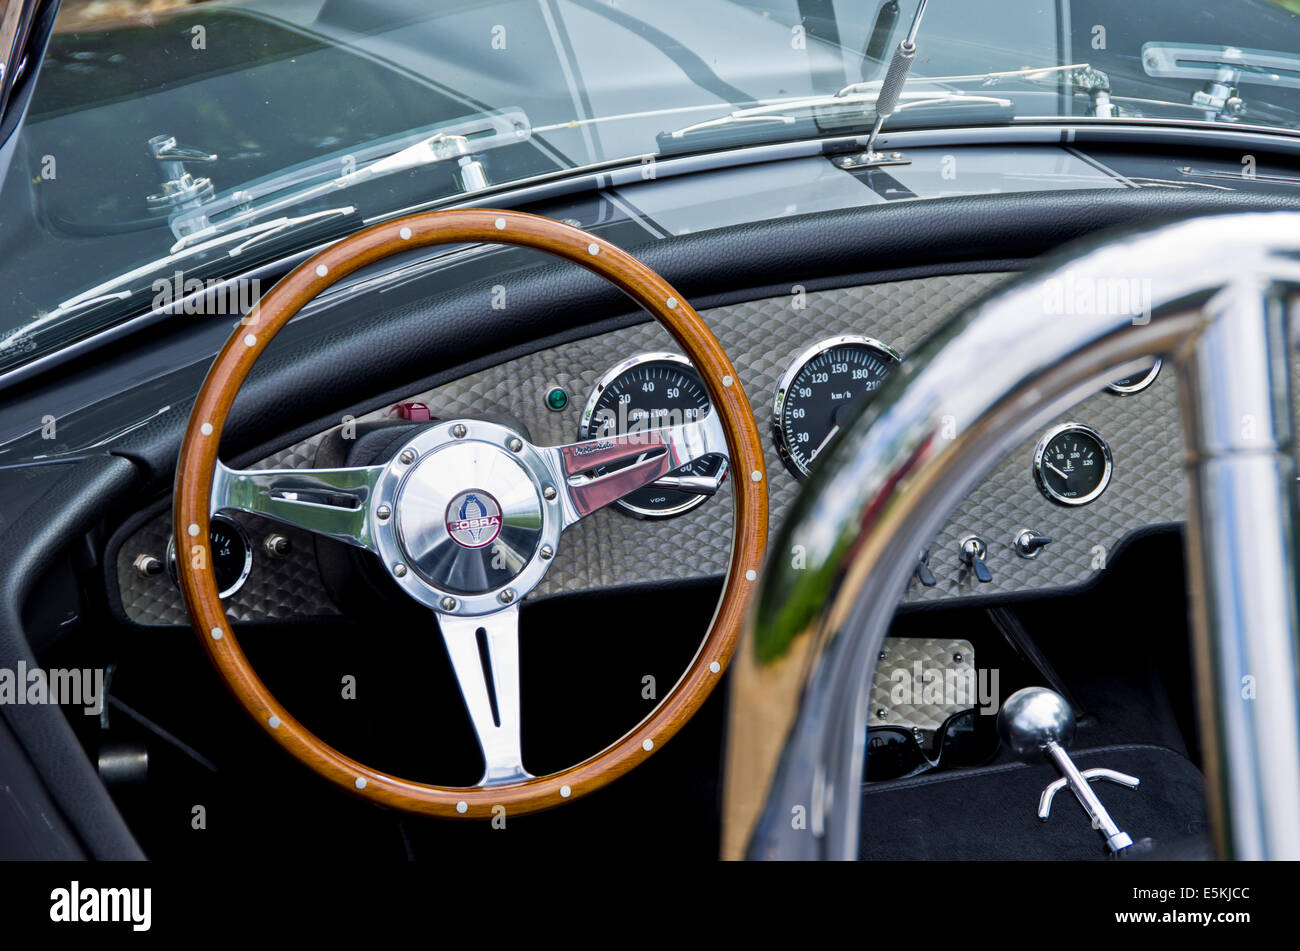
(461, 141)
(204, 268)
(245, 238)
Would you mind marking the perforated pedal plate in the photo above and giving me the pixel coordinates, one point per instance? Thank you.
(921, 682)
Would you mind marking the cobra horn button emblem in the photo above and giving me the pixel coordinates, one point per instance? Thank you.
(473, 519)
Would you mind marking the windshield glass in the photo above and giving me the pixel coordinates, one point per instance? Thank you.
(186, 143)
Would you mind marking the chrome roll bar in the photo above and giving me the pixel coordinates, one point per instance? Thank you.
(1211, 296)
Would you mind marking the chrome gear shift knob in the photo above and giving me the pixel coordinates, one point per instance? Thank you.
(1035, 722)
(1032, 718)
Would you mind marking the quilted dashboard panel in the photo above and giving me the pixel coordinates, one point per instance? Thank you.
(762, 337)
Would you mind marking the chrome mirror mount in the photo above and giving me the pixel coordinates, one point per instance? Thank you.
(1210, 295)
(180, 189)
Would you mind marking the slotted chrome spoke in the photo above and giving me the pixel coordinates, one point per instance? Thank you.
(484, 652)
(692, 484)
(329, 502)
(596, 472)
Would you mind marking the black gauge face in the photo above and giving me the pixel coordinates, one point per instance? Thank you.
(651, 391)
(230, 554)
(1136, 382)
(820, 392)
(1072, 464)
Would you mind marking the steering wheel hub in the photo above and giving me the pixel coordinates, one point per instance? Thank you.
(469, 516)
(462, 519)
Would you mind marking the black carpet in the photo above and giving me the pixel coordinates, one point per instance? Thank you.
(990, 812)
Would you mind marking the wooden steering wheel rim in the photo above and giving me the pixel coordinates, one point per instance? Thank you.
(198, 458)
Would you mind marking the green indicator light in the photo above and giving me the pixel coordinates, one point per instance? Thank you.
(557, 399)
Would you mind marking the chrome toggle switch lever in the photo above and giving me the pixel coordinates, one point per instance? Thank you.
(1028, 543)
(923, 573)
(973, 552)
(1035, 722)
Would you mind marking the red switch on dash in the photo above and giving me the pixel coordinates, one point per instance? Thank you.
(415, 412)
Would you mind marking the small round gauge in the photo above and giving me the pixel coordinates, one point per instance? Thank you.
(232, 554)
(1072, 464)
(818, 393)
(1137, 382)
(648, 391)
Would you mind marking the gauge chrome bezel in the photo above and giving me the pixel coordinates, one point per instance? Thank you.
(1039, 478)
(1141, 384)
(584, 427)
(794, 369)
(236, 529)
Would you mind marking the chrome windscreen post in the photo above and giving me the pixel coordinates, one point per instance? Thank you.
(1236, 406)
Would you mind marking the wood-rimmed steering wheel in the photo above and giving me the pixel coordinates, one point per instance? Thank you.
(452, 494)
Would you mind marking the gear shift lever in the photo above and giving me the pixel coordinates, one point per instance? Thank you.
(1034, 722)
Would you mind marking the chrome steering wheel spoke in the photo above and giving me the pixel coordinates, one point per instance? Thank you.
(329, 502)
(632, 461)
(484, 653)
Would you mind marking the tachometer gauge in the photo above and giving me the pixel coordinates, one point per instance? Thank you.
(817, 394)
(232, 555)
(1072, 464)
(649, 391)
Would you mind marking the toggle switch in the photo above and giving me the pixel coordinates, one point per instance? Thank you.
(1029, 543)
(973, 552)
(923, 572)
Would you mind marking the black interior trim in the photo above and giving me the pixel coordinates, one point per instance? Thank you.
(28, 549)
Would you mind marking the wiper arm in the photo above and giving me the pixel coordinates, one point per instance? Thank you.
(855, 109)
(461, 141)
(1082, 76)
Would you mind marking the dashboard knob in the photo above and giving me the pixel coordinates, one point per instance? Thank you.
(973, 552)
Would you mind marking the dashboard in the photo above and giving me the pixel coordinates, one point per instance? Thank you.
(1049, 516)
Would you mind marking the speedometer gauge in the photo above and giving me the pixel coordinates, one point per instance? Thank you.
(649, 391)
(817, 395)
